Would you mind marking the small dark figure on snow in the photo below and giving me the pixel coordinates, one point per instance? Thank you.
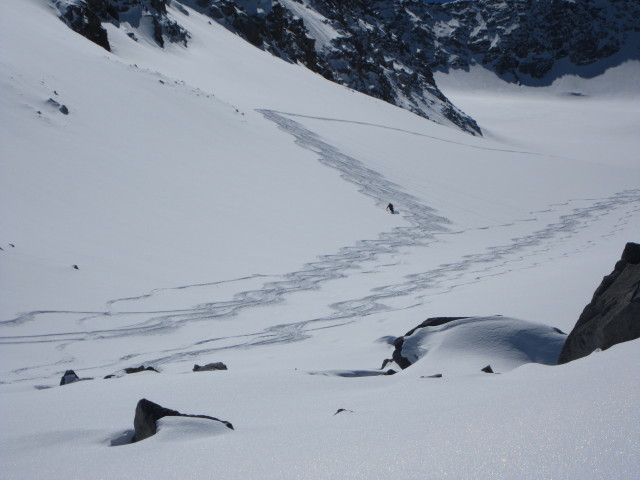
(390, 208)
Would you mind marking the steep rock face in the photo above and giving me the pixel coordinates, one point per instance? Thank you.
(370, 54)
(87, 16)
(613, 316)
(83, 19)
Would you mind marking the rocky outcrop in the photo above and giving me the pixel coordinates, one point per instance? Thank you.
(525, 41)
(613, 316)
(83, 19)
(87, 16)
(148, 413)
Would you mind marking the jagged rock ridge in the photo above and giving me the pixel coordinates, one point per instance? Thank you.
(389, 48)
(361, 58)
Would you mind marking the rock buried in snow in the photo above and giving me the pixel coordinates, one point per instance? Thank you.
(340, 410)
(488, 369)
(148, 414)
(209, 367)
(141, 368)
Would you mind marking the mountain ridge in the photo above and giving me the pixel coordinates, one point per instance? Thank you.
(390, 49)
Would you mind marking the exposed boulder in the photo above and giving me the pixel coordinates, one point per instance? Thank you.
(613, 316)
(209, 367)
(69, 377)
(148, 413)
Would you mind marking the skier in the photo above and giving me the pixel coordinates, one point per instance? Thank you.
(390, 208)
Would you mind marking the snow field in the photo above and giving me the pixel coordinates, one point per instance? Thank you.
(223, 205)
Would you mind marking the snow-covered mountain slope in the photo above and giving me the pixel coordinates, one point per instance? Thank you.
(223, 205)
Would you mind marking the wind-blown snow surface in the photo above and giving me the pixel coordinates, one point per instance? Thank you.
(222, 205)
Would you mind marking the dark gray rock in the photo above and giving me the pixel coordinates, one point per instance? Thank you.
(83, 19)
(148, 413)
(488, 369)
(141, 368)
(613, 316)
(69, 377)
(209, 367)
(87, 16)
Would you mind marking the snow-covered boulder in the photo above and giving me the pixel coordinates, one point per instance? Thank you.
(468, 344)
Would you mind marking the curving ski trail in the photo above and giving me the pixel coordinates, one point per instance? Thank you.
(425, 227)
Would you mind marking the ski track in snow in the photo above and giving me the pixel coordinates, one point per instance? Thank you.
(425, 227)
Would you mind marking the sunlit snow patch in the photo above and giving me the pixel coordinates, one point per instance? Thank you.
(172, 429)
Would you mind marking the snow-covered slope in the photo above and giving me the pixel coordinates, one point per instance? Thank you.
(224, 205)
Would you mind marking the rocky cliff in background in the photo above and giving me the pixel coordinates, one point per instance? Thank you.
(532, 42)
(613, 316)
(389, 48)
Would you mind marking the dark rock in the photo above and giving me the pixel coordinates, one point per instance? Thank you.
(141, 368)
(437, 375)
(385, 362)
(488, 369)
(391, 371)
(209, 367)
(69, 377)
(87, 16)
(75, 267)
(148, 413)
(109, 376)
(83, 19)
(64, 110)
(340, 410)
(613, 316)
